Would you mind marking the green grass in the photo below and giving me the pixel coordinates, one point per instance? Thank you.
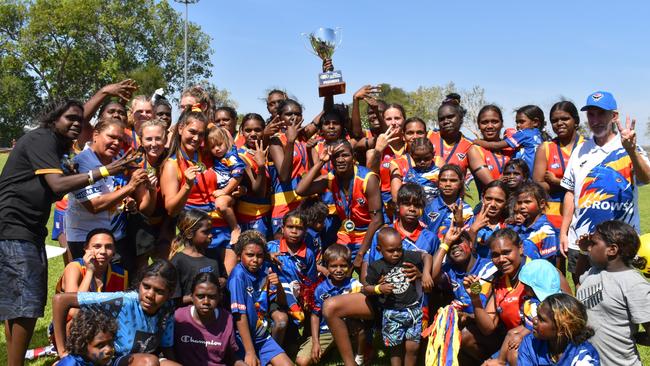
(56, 268)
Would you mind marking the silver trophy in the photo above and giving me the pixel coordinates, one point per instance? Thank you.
(323, 42)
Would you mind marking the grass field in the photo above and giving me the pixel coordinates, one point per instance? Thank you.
(56, 268)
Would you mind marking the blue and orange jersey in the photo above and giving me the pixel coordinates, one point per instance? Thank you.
(425, 178)
(495, 162)
(526, 142)
(326, 196)
(356, 203)
(115, 279)
(451, 154)
(483, 268)
(131, 140)
(297, 272)
(607, 193)
(249, 207)
(284, 198)
(228, 167)
(200, 196)
(510, 299)
(542, 234)
(438, 217)
(388, 155)
(557, 159)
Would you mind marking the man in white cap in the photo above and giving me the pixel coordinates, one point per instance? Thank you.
(601, 178)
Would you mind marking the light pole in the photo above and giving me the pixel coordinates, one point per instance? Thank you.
(186, 2)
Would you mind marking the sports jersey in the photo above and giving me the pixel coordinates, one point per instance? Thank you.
(526, 142)
(480, 244)
(451, 154)
(79, 220)
(420, 240)
(74, 360)
(426, 178)
(557, 159)
(327, 289)
(228, 167)
(602, 180)
(535, 352)
(389, 154)
(353, 205)
(509, 299)
(284, 198)
(326, 196)
(249, 207)
(159, 212)
(240, 140)
(137, 332)
(115, 279)
(483, 268)
(542, 234)
(251, 295)
(438, 217)
(297, 273)
(495, 162)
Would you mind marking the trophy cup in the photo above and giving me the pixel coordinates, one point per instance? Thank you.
(323, 42)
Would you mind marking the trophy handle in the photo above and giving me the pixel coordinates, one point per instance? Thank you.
(339, 35)
(307, 44)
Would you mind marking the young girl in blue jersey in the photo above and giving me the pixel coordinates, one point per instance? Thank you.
(560, 335)
(188, 252)
(295, 264)
(491, 217)
(230, 171)
(314, 212)
(439, 214)
(337, 259)
(145, 317)
(530, 202)
(422, 168)
(91, 341)
(530, 134)
(252, 286)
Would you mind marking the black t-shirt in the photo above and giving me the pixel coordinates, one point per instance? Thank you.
(405, 293)
(188, 267)
(25, 197)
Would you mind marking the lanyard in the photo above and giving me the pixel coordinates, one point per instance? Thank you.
(561, 155)
(498, 163)
(347, 201)
(442, 150)
(135, 140)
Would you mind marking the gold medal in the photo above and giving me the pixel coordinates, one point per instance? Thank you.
(475, 288)
(348, 226)
(201, 167)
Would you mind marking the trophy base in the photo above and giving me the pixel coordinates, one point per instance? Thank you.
(331, 89)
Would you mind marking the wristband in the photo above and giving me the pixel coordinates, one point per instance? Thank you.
(444, 246)
(103, 171)
(91, 178)
(377, 290)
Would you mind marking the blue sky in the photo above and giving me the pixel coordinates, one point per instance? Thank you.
(520, 52)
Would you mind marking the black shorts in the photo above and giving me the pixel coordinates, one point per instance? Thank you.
(23, 275)
(572, 260)
(141, 234)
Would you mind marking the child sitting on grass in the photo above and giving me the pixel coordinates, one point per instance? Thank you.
(399, 298)
(92, 334)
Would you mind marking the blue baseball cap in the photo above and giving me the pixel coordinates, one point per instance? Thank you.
(600, 99)
(542, 277)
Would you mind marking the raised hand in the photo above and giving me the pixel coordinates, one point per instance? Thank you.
(123, 90)
(325, 155)
(190, 174)
(628, 135)
(294, 129)
(128, 160)
(384, 139)
(452, 235)
(272, 127)
(260, 153)
(139, 177)
(328, 65)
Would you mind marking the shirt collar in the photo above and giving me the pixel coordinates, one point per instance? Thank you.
(413, 236)
(301, 252)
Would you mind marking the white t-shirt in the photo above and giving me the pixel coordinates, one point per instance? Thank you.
(80, 221)
(604, 186)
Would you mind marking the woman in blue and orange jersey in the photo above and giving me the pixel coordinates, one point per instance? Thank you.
(356, 194)
(253, 208)
(331, 126)
(490, 124)
(289, 161)
(188, 180)
(155, 232)
(553, 156)
(449, 142)
(389, 146)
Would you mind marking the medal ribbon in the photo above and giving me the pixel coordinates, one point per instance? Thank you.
(498, 163)
(347, 202)
(442, 150)
(561, 155)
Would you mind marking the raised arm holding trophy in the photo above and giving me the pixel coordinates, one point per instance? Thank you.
(323, 42)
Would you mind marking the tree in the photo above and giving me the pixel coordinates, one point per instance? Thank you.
(72, 48)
